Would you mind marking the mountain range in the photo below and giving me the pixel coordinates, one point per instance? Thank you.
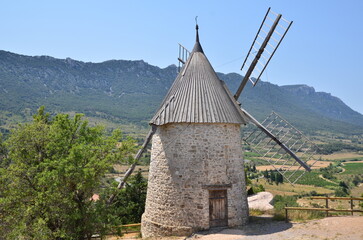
(130, 92)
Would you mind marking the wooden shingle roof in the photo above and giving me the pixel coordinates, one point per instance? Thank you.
(198, 96)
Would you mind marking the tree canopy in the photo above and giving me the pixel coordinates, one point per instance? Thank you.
(55, 165)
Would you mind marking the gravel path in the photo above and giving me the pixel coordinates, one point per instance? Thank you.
(337, 228)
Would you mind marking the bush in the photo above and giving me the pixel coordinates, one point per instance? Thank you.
(255, 189)
(280, 202)
(340, 192)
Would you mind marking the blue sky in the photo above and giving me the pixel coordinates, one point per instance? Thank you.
(323, 48)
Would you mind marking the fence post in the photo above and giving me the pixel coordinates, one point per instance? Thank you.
(351, 204)
(327, 206)
(286, 216)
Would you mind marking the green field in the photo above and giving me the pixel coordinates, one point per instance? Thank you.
(312, 178)
(353, 168)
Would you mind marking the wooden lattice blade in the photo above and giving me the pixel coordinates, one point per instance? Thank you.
(281, 145)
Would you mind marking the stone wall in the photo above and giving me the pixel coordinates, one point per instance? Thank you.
(186, 161)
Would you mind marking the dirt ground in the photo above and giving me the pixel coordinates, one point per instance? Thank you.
(263, 228)
(337, 228)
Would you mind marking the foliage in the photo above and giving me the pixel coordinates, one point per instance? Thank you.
(273, 176)
(343, 190)
(357, 180)
(129, 204)
(291, 201)
(255, 189)
(57, 164)
(280, 202)
(255, 212)
(332, 147)
(328, 172)
(3, 161)
(251, 171)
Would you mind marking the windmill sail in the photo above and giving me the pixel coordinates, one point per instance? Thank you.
(281, 145)
(183, 56)
(268, 38)
(275, 140)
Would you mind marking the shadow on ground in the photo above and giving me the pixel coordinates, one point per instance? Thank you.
(264, 225)
(261, 225)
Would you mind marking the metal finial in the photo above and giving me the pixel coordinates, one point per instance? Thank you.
(196, 28)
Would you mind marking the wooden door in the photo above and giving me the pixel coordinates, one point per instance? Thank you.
(218, 214)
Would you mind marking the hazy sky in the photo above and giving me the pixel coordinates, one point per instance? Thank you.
(323, 48)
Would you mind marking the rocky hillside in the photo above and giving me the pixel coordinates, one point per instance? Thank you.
(130, 92)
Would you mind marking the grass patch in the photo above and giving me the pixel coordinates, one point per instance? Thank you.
(256, 212)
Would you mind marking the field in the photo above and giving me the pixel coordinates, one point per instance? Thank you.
(312, 178)
(317, 165)
(288, 189)
(342, 156)
(353, 168)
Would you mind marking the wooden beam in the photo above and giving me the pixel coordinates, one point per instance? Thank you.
(129, 171)
(339, 198)
(323, 209)
(257, 57)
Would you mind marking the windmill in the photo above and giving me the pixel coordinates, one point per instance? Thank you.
(196, 178)
(275, 139)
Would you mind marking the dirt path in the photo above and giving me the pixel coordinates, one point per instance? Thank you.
(328, 180)
(337, 228)
(261, 201)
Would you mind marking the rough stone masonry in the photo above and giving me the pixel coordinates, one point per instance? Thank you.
(187, 162)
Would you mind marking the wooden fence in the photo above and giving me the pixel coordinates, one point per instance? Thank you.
(128, 228)
(327, 209)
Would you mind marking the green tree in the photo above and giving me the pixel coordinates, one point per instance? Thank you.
(279, 178)
(265, 174)
(272, 176)
(129, 203)
(56, 165)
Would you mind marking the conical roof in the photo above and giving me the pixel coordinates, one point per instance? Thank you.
(198, 96)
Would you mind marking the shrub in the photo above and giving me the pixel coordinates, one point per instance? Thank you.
(341, 192)
(255, 189)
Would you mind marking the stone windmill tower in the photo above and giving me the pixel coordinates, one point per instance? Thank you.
(196, 177)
